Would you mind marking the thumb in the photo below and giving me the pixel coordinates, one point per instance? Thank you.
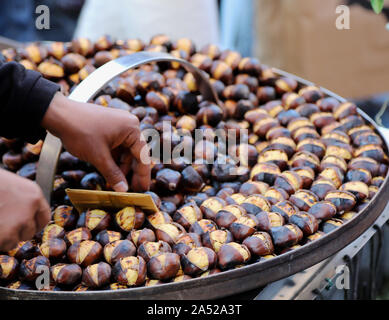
(112, 174)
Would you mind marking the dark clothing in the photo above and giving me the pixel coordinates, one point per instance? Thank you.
(24, 98)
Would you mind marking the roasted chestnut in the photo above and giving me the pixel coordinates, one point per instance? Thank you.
(203, 226)
(186, 242)
(96, 275)
(158, 218)
(323, 210)
(106, 236)
(333, 174)
(255, 204)
(244, 227)
(321, 187)
(31, 269)
(359, 175)
(303, 199)
(85, 253)
(198, 260)
(9, 267)
(52, 231)
(76, 235)
(25, 250)
(331, 225)
(343, 200)
(140, 236)
(226, 216)
(65, 217)
(259, 244)
(306, 222)
(358, 188)
(187, 215)
(118, 249)
(96, 220)
(265, 172)
(129, 218)
(130, 271)
(233, 254)
(164, 266)
(169, 232)
(66, 274)
(275, 195)
(147, 250)
(289, 181)
(53, 248)
(286, 236)
(268, 220)
(168, 179)
(253, 187)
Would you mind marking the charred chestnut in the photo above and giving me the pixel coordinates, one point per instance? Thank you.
(255, 204)
(268, 220)
(358, 188)
(118, 249)
(164, 266)
(343, 200)
(53, 249)
(304, 199)
(274, 195)
(244, 227)
(233, 254)
(331, 225)
(9, 267)
(259, 244)
(289, 181)
(140, 236)
(169, 232)
(130, 271)
(323, 210)
(187, 215)
(321, 187)
(106, 236)
(76, 235)
(286, 236)
(203, 226)
(85, 253)
(130, 218)
(66, 274)
(198, 260)
(266, 172)
(306, 222)
(186, 242)
(31, 269)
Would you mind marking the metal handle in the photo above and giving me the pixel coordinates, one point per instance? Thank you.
(87, 89)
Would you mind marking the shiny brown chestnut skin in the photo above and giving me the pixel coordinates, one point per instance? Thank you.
(321, 187)
(9, 267)
(303, 199)
(129, 218)
(286, 236)
(367, 138)
(168, 179)
(343, 200)
(335, 137)
(215, 239)
(262, 126)
(212, 206)
(24, 250)
(209, 114)
(158, 101)
(283, 143)
(92, 181)
(273, 108)
(268, 220)
(169, 232)
(203, 226)
(307, 175)
(118, 249)
(255, 204)
(95, 220)
(226, 216)
(359, 175)
(186, 242)
(187, 215)
(66, 274)
(130, 271)
(259, 244)
(298, 123)
(250, 66)
(140, 236)
(307, 110)
(52, 231)
(73, 176)
(274, 195)
(377, 181)
(313, 146)
(356, 131)
(34, 52)
(285, 84)
(54, 249)
(265, 94)
(285, 208)
(250, 81)
(31, 269)
(344, 110)
(106, 236)
(331, 225)
(253, 187)
(12, 161)
(82, 46)
(305, 159)
(333, 161)
(76, 235)
(275, 156)
(287, 116)
(311, 94)
(198, 260)
(306, 222)
(236, 92)
(96, 275)
(322, 119)
(191, 181)
(291, 100)
(277, 132)
(73, 62)
(265, 172)
(221, 71)
(85, 253)
(327, 104)
(358, 188)
(164, 266)
(232, 254)
(211, 50)
(323, 210)
(57, 50)
(372, 151)
(342, 150)
(334, 174)
(244, 227)
(366, 163)
(102, 57)
(147, 249)
(289, 181)
(372, 191)
(158, 218)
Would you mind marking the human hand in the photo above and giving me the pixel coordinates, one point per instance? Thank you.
(102, 137)
(23, 210)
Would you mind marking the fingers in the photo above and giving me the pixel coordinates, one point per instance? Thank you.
(112, 173)
(141, 166)
(42, 216)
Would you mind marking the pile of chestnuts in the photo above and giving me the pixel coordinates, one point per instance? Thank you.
(312, 164)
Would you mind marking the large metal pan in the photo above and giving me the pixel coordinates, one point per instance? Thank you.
(226, 283)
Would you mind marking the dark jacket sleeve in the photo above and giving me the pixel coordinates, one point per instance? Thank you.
(24, 98)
